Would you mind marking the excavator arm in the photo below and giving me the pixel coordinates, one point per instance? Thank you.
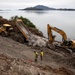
(61, 32)
(50, 35)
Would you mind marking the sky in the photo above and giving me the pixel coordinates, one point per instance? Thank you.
(16, 4)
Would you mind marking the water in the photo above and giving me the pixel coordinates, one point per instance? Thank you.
(64, 20)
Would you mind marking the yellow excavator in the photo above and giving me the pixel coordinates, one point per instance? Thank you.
(65, 43)
(5, 29)
(18, 32)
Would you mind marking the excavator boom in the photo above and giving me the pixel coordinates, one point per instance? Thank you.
(50, 35)
(61, 32)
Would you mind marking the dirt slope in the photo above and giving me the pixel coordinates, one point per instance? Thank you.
(18, 59)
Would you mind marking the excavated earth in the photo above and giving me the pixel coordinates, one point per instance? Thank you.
(18, 59)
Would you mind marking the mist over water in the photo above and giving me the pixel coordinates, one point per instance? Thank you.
(64, 20)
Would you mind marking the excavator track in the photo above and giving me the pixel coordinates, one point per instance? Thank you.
(60, 49)
(3, 34)
(66, 50)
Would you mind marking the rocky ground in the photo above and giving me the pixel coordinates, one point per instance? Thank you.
(18, 59)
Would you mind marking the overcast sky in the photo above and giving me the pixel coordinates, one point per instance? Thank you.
(28, 3)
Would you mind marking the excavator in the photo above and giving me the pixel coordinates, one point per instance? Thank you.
(65, 42)
(5, 29)
(17, 32)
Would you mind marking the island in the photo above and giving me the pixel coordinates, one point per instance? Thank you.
(42, 7)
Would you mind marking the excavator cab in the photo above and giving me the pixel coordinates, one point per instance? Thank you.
(5, 29)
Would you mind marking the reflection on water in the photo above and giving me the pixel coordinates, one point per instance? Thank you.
(64, 20)
(40, 12)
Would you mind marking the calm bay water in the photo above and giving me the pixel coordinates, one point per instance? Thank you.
(64, 20)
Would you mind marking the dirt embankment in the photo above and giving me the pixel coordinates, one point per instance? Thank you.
(13, 66)
(18, 59)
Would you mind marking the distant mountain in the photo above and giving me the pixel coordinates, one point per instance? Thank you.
(42, 7)
(5, 10)
(39, 7)
(66, 9)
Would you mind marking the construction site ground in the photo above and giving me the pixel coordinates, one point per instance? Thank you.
(18, 59)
